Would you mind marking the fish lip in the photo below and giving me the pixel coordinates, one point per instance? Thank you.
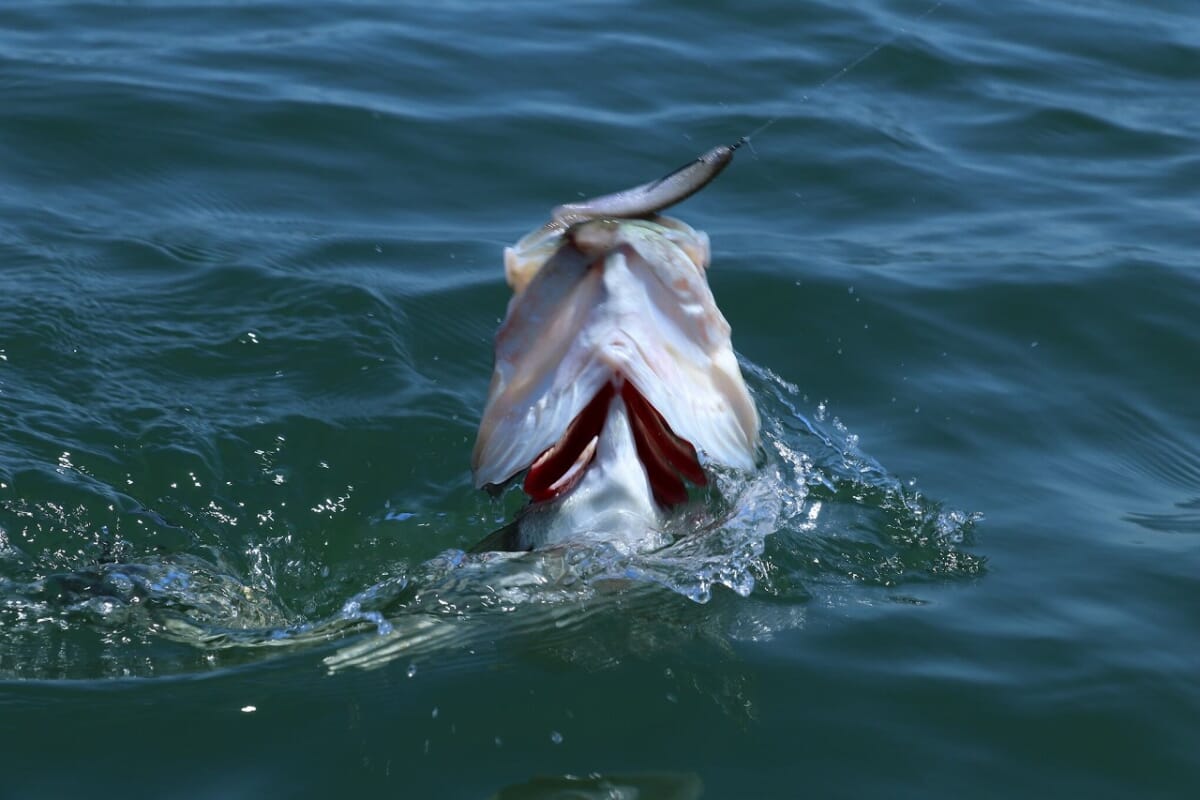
(582, 239)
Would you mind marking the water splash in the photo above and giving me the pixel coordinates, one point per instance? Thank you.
(820, 520)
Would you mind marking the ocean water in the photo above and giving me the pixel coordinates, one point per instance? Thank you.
(250, 271)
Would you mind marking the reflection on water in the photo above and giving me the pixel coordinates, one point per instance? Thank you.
(664, 786)
(819, 519)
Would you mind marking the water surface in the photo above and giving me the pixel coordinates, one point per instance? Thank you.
(250, 270)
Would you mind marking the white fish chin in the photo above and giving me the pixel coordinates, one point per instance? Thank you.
(615, 383)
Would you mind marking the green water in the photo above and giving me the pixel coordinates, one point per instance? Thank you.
(250, 272)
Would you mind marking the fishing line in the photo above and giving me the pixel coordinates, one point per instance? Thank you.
(678, 185)
(841, 73)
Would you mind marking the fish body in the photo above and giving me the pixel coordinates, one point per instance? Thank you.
(615, 385)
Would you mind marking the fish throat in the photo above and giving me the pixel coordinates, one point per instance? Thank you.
(667, 458)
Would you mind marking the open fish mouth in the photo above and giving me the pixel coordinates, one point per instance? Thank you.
(667, 458)
(615, 380)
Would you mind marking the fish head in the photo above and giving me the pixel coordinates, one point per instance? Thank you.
(612, 332)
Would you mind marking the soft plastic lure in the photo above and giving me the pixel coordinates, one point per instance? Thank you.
(650, 198)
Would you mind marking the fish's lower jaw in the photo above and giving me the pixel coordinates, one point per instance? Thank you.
(611, 502)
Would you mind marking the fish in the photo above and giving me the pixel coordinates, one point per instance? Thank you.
(615, 390)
